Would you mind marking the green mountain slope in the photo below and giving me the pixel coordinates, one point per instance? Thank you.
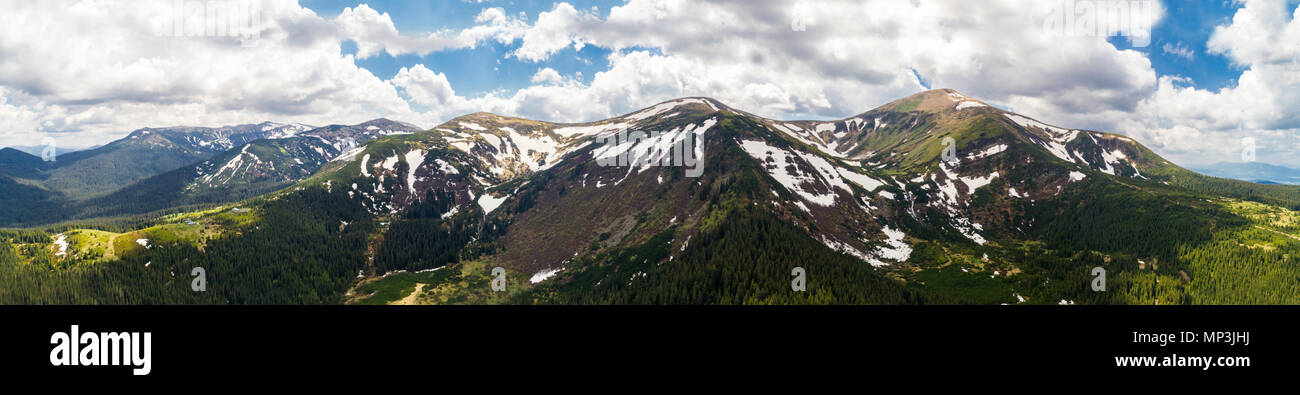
(251, 170)
(935, 198)
(181, 167)
(150, 151)
(50, 189)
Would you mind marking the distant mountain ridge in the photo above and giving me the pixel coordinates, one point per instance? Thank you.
(150, 151)
(933, 198)
(1257, 172)
(35, 150)
(140, 166)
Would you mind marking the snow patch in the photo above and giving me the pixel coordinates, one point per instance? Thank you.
(894, 248)
(61, 241)
(413, 161)
(489, 203)
(390, 163)
(350, 154)
(544, 275)
(868, 183)
(445, 167)
(451, 212)
(848, 249)
(1058, 137)
(592, 130)
(987, 152)
(973, 183)
(967, 228)
(472, 126)
(780, 164)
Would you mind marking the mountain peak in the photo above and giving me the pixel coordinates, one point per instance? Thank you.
(669, 108)
(935, 100)
(11, 151)
(383, 122)
(480, 116)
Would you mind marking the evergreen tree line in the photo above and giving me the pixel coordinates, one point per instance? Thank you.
(295, 253)
(747, 259)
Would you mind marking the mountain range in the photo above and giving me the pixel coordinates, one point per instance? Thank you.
(1256, 172)
(933, 198)
(35, 150)
(159, 168)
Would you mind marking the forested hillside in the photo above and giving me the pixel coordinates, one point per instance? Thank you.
(293, 252)
(932, 199)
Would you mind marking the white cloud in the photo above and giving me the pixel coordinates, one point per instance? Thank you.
(94, 71)
(374, 32)
(1199, 126)
(1262, 32)
(850, 56)
(91, 71)
(100, 69)
(547, 76)
(554, 30)
(424, 86)
(835, 58)
(19, 116)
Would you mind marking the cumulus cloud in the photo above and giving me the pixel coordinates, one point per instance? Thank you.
(374, 32)
(555, 30)
(20, 117)
(1198, 126)
(98, 69)
(835, 58)
(831, 59)
(91, 71)
(424, 86)
(547, 76)
(1262, 32)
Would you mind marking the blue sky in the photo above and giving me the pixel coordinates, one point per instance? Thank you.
(585, 60)
(1188, 25)
(478, 71)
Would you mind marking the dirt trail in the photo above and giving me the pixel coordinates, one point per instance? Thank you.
(410, 299)
(1279, 232)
